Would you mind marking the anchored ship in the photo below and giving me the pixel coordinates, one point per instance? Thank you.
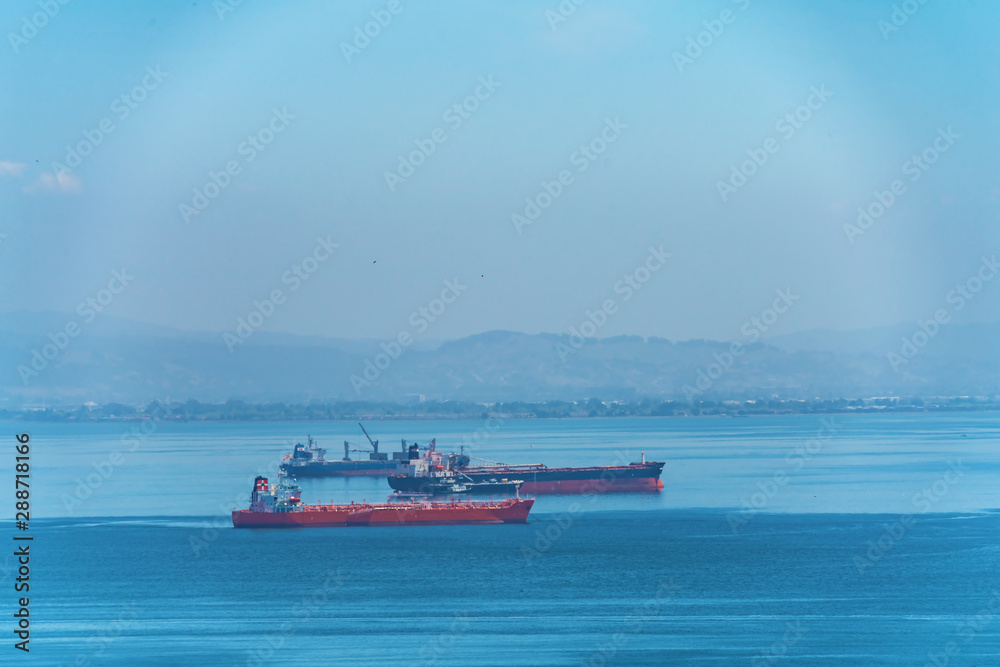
(440, 474)
(413, 470)
(423, 469)
(309, 461)
(281, 506)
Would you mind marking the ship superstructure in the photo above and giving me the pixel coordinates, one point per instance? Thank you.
(438, 473)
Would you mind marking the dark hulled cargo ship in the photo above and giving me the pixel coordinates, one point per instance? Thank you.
(310, 461)
(424, 469)
(411, 470)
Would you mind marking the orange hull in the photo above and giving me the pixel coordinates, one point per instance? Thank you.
(389, 514)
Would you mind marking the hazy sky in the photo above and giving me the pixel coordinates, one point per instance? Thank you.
(197, 86)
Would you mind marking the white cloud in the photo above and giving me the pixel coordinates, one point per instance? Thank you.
(63, 182)
(11, 168)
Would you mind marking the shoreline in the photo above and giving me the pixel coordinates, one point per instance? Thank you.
(53, 416)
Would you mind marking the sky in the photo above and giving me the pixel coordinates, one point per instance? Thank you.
(298, 116)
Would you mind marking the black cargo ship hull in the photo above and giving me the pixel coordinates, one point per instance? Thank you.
(597, 479)
(341, 469)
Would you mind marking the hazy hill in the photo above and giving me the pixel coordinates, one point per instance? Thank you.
(130, 362)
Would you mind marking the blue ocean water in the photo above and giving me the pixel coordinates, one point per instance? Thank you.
(775, 541)
(627, 588)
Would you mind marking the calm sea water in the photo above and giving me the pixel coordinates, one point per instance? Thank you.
(868, 540)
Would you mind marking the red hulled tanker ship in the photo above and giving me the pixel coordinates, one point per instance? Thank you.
(281, 507)
(425, 468)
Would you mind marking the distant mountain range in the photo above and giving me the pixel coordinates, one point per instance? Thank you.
(115, 360)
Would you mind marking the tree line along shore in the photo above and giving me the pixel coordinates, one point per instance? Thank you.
(237, 410)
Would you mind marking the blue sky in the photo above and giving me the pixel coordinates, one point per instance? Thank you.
(323, 175)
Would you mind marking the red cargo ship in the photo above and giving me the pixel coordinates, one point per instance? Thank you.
(281, 506)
